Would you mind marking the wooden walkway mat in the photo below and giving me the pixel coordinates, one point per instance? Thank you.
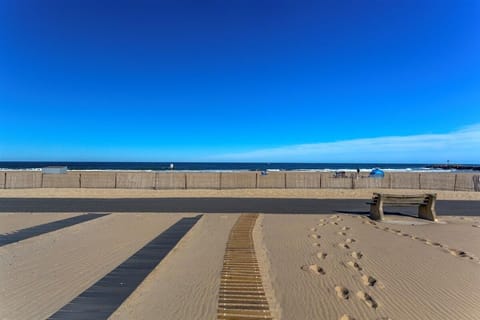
(241, 291)
(104, 297)
(34, 231)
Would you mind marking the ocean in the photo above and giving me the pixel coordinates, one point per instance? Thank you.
(223, 166)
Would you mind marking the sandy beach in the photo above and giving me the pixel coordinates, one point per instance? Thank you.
(315, 266)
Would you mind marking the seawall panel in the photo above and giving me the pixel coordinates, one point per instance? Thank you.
(23, 179)
(64, 180)
(2, 179)
(272, 180)
(366, 182)
(170, 180)
(328, 181)
(405, 180)
(97, 180)
(466, 182)
(303, 180)
(437, 181)
(135, 180)
(204, 180)
(238, 180)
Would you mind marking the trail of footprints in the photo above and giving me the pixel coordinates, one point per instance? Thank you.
(341, 292)
(452, 251)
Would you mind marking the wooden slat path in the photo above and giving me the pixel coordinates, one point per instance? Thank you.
(104, 297)
(241, 291)
(47, 227)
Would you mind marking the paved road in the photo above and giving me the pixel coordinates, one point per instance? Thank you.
(221, 205)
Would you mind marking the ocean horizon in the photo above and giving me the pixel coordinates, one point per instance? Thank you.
(230, 166)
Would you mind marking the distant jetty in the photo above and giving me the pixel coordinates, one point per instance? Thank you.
(454, 166)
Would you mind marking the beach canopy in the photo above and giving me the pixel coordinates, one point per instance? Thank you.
(377, 173)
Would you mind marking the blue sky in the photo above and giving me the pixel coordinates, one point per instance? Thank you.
(309, 81)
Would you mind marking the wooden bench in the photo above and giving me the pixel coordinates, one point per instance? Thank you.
(425, 203)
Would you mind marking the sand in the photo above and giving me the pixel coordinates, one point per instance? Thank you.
(41, 274)
(10, 222)
(235, 193)
(185, 285)
(329, 266)
(317, 266)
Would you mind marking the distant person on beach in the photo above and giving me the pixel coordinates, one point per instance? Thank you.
(358, 172)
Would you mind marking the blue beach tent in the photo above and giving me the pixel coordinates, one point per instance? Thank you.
(377, 173)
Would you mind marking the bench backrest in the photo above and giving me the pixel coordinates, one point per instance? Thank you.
(403, 199)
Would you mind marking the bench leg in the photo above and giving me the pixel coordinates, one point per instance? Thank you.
(427, 211)
(376, 212)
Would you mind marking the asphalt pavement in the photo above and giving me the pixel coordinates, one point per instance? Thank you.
(222, 205)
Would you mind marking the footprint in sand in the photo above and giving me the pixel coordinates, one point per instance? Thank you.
(322, 224)
(334, 223)
(357, 255)
(334, 216)
(365, 297)
(322, 255)
(314, 268)
(458, 253)
(315, 236)
(313, 229)
(345, 228)
(316, 244)
(475, 225)
(354, 265)
(346, 317)
(350, 240)
(405, 235)
(342, 233)
(344, 245)
(369, 280)
(342, 292)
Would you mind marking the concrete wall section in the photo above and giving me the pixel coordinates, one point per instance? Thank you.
(405, 180)
(99, 179)
(238, 180)
(437, 181)
(303, 180)
(64, 180)
(365, 182)
(135, 180)
(204, 180)
(465, 181)
(273, 180)
(329, 182)
(170, 180)
(2, 179)
(23, 179)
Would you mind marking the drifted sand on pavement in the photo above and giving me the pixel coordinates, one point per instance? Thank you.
(233, 193)
(186, 283)
(316, 266)
(14, 221)
(334, 266)
(40, 275)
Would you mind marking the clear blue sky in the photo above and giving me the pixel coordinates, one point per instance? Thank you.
(239, 80)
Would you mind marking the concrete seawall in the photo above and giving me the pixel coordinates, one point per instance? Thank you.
(238, 180)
